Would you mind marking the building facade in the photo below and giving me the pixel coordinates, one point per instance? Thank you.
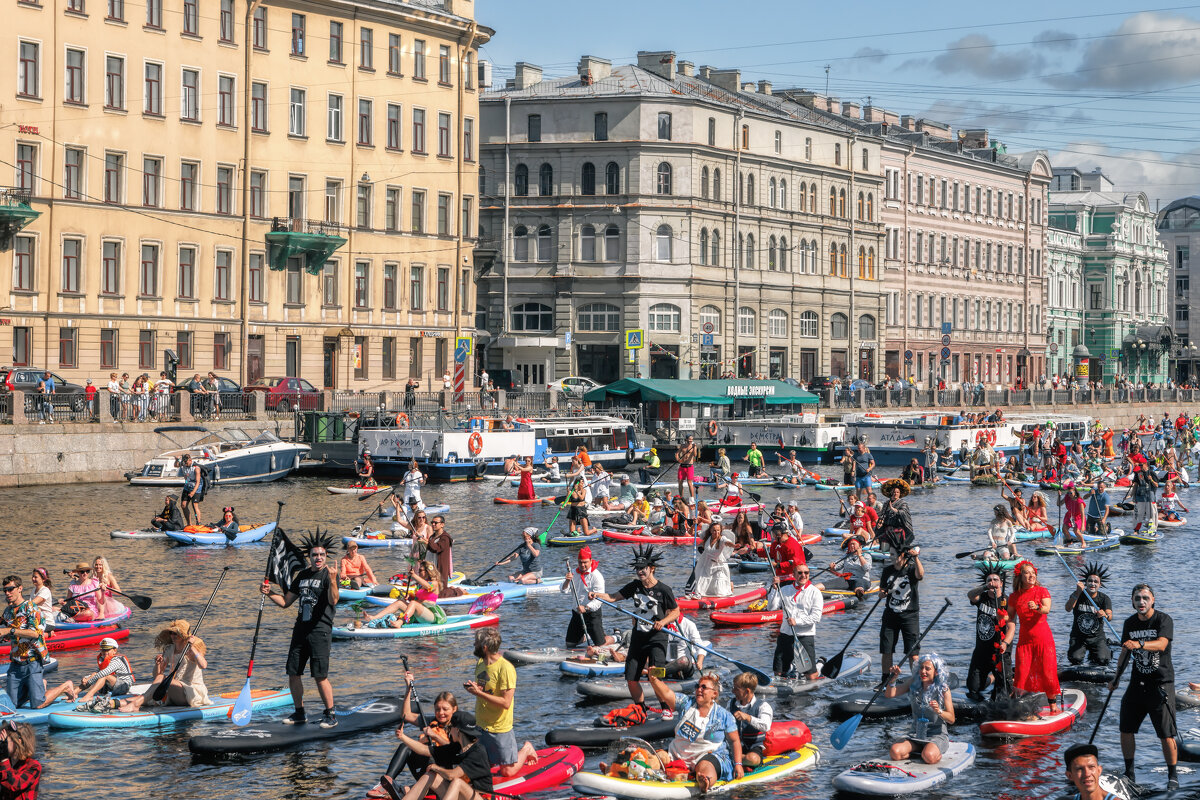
(264, 188)
(723, 227)
(1179, 232)
(1126, 277)
(1064, 301)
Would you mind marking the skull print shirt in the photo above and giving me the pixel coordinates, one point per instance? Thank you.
(901, 586)
(652, 604)
(1088, 624)
(1150, 669)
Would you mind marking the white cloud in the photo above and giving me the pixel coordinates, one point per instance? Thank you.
(1147, 51)
(1162, 177)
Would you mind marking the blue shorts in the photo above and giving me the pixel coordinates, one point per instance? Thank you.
(863, 483)
(720, 759)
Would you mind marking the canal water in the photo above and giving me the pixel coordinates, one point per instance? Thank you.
(56, 526)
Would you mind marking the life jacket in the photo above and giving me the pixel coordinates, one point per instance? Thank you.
(626, 717)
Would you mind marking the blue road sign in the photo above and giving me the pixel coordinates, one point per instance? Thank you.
(945, 327)
(706, 340)
(462, 349)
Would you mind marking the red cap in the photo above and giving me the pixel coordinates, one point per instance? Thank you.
(586, 552)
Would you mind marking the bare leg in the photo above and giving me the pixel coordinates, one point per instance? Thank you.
(706, 776)
(67, 689)
(635, 691)
(296, 685)
(107, 683)
(900, 750)
(325, 690)
(931, 755)
(423, 786)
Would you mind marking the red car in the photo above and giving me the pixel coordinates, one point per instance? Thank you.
(286, 394)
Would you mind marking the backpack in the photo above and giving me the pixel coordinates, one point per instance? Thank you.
(206, 481)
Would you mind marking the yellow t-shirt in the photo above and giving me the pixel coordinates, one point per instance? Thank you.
(495, 679)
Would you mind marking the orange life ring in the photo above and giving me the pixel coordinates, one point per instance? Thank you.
(981, 436)
(991, 436)
(475, 443)
(712, 427)
(402, 420)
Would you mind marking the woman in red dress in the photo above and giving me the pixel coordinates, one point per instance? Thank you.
(1036, 666)
(525, 487)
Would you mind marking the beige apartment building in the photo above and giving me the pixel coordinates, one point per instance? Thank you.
(265, 188)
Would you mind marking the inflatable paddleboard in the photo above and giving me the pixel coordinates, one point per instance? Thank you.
(554, 767)
(573, 541)
(168, 715)
(68, 625)
(1088, 673)
(76, 638)
(512, 501)
(1074, 702)
(544, 655)
(457, 622)
(1110, 542)
(249, 536)
(355, 490)
(377, 541)
(599, 734)
(891, 778)
(853, 664)
(742, 594)
(772, 768)
(748, 619)
(634, 538)
(259, 738)
(143, 534)
(612, 689)
(591, 669)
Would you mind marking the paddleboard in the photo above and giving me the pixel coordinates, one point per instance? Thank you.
(255, 534)
(1005, 563)
(611, 689)
(1074, 702)
(554, 767)
(1186, 698)
(747, 619)
(512, 501)
(854, 703)
(1029, 534)
(591, 669)
(138, 535)
(1110, 542)
(76, 638)
(513, 592)
(573, 541)
(68, 625)
(543, 655)
(378, 541)
(546, 586)
(891, 778)
(374, 714)
(355, 490)
(634, 538)
(853, 664)
(1088, 673)
(39, 716)
(599, 735)
(457, 622)
(1142, 537)
(742, 594)
(168, 715)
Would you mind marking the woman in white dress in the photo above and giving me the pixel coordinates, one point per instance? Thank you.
(712, 565)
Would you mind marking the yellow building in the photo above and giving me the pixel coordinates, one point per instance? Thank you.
(133, 225)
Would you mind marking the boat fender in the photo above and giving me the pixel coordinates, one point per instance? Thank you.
(272, 462)
(712, 427)
(480, 468)
(630, 455)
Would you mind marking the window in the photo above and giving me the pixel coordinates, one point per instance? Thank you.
(393, 54)
(189, 96)
(152, 101)
(663, 317)
(294, 293)
(444, 64)
(29, 70)
(612, 178)
(224, 190)
(444, 135)
(745, 137)
(587, 243)
(73, 172)
(419, 59)
(783, 254)
(362, 285)
(771, 187)
(258, 192)
(23, 263)
(715, 248)
(468, 139)
(363, 206)
(703, 246)
(587, 179)
(600, 126)
(114, 82)
(296, 204)
(664, 125)
(188, 176)
(808, 324)
(532, 317)
(443, 214)
(664, 178)
(68, 341)
(226, 33)
(533, 128)
(751, 252)
(612, 243)
(520, 243)
(72, 255)
(183, 348)
(223, 275)
(226, 100)
(467, 227)
(418, 211)
(296, 113)
(772, 264)
(777, 323)
(866, 160)
(259, 26)
(443, 289)
(186, 277)
(22, 352)
(599, 317)
(191, 17)
(335, 42)
(393, 126)
(366, 49)
(704, 183)
(329, 284)
(521, 181)
(153, 13)
(416, 288)
(838, 326)
(468, 71)
(389, 286)
(866, 327)
(146, 349)
(837, 154)
(710, 315)
(544, 244)
(297, 34)
(391, 209)
(389, 357)
(221, 350)
(75, 88)
(114, 177)
(746, 321)
(365, 122)
(717, 184)
(546, 180)
(258, 107)
(778, 141)
(662, 243)
(255, 278)
(110, 268)
(418, 130)
(108, 349)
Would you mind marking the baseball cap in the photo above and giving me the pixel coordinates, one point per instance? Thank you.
(641, 496)
(108, 644)
(624, 478)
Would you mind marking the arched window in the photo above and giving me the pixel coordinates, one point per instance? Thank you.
(812, 200)
(832, 201)
(866, 328)
(842, 204)
(750, 196)
(532, 317)
(871, 264)
(612, 178)
(543, 243)
(808, 324)
(715, 248)
(862, 263)
(704, 183)
(833, 259)
(662, 244)
(870, 208)
(803, 197)
(751, 262)
(704, 246)
(741, 247)
(664, 178)
(746, 321)
(663, 317)
(711, 315)
(783, 198)
(837, 326)
(771, 187)
(546, 180)
(612, 243)
(587, 243)
(741, 190)
(842, 261)
(520, 243)
(783, 254)
(717, 184)
(772, 265)
(777, 323)
(602, 317)
(521, 181)
(587, 179)
(862, 205)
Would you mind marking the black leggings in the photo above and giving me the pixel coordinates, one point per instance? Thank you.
(405, 757)
(594, 623)
(983, 664)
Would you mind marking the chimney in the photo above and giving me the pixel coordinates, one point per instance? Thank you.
(592, 69)
(877, 114)
(850, 110)
(974, 138)
(730, 79)
(527, 75)
(764, 87)
(660, 62)
(908, 122)
(705, 72)
(833, 105)
(937, 130)
(687, 68)
(485, 74)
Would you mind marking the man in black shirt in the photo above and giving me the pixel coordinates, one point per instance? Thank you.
(1146, 640)
(654, 601)
(902, 606)
(1088, 631)
(316, 587)
(991, 661)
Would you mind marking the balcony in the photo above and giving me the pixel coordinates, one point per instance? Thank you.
(309, 239)
(15, 213)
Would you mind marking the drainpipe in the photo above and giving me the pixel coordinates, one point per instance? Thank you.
(243, 306)
(507, 233)
(466, 42)
(852, 209)
(737, 221)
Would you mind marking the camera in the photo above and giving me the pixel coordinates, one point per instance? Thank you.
(66, 572)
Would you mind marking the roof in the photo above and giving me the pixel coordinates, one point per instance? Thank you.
(712, 392)
(1192, 202)
(1094, 199)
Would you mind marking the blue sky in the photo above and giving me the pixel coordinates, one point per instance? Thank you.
(1102, 84)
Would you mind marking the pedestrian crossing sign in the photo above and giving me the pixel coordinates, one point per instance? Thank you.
(635, 339)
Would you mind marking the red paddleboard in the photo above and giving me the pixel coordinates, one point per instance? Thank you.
(555, 767)
(809, 538)
(704, 603)
(745, 619)
(511, 502)
(78, 637)
(637, 538)
(1072, 708)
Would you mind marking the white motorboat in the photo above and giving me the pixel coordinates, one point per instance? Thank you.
(233, 455)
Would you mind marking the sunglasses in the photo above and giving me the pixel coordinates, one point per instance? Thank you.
(8, 589)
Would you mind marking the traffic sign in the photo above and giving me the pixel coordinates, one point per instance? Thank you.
(635, 339)
(908, 355)
(1053, 348)
(706, 340)
(462, 349)
(708, 327)
(946, 328)
(945, 340)
(568, 338)
(945, 353)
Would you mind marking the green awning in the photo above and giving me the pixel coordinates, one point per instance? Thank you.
(714, 392)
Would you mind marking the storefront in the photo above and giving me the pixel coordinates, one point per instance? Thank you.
(688, 404)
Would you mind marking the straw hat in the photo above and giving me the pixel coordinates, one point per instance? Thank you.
(82, 566)
(896, 483)
(179, 627)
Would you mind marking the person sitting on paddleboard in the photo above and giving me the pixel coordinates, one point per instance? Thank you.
(355, 571)
(676, 521)
(1002, 534)
(859, 524)
(733, 490)
(745, 546)
(416, 759)
(683, 660)
(754, 716)
(229, 524)
(1016, 504)
(42, 596)
(365, 470)
(423, 607)
(553, 470)
(649, 472)
(705, 733)
(991, 660)
(913, 472)
(1036, 513)
(785, 550)
(1088, 632)
(653, 600)
(625, 492)
(187, 686)
(584, 581)
(530, 555)
(113, 676)
(802, 611)
(82, 595)
(1073, 521)
(461, 769)
(932, 709)
(1168, 502)
(170, 518)
(797, 469)
(639, 511)
(855, 567)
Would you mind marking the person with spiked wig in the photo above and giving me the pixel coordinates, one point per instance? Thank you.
(316, 587)
(653, 600)
(991, 661)
(1088, 630)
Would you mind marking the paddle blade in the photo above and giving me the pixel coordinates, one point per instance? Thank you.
(241, 709)
(843, 733)
(832, 668)
(141, 601)
(487, 603)
(160, 691)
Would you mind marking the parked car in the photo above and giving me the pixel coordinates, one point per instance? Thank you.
(26, 379)
(232, 398)
(820, 383)
(287, 394)
(573, 386)
(509, 380)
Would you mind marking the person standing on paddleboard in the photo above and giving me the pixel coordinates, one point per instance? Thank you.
(1097, 510)
(991, 661)
(193, 489)
(413, 480)
(494, 688)
(21, 626)
(585, 581)
(801, 613)
(440, 544)
(1146, 639)
(169, 519)
(900, 582)
(653, 600)
(864, 465)
(1145, 486)
(1088, 637)
(316, 587)
(1036, 668)
(365, 470)
(686, 457)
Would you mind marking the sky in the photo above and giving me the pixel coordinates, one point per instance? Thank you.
(1103, 84)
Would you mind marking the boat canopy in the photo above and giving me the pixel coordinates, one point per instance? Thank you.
(712, 392)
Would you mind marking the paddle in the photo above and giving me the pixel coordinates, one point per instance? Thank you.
(242, 706)
(833, 667)
(844, 732)
(803, 665)
(140, 600)
(578, 604)
(380, 493)
(763, 677)
(1111, 689)
(1088, 597)
(973, 553)
(367, 519)
(164, 686)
